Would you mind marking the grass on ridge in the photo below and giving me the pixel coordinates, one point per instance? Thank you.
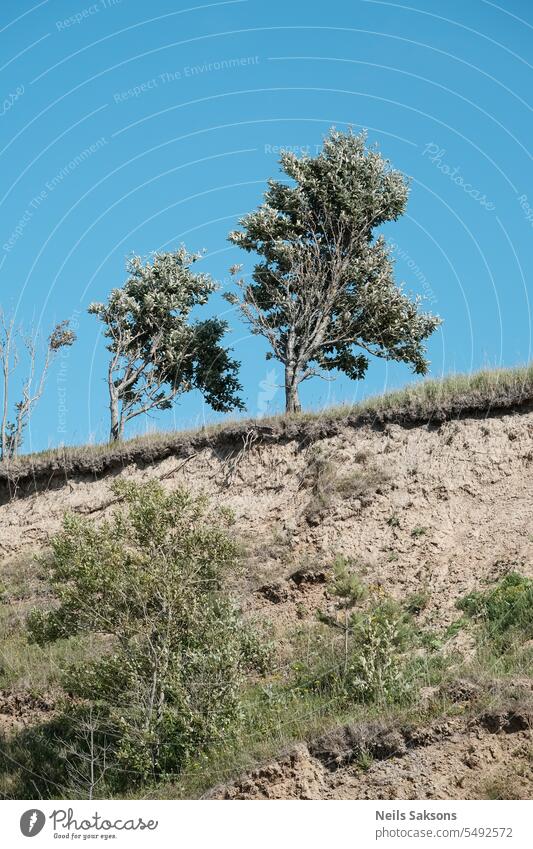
(422, 399)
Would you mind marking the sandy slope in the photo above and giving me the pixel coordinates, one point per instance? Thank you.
(442, 508)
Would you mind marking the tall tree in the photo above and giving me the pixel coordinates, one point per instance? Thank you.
(157, 353)
(323, 293)
(21, 363)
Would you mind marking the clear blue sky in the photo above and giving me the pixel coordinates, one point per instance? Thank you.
(127, 127)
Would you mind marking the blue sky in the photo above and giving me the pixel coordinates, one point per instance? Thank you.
(133, 127)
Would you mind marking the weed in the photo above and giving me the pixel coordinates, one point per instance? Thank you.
(364, 761)
(505, 612)
(510, 785)
(362, 483)
(417, 602)
(321, 475)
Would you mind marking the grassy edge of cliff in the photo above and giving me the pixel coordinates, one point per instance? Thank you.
(483, 393)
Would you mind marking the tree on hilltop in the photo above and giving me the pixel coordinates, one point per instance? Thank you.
(323, 293)
(157, 352)
(24, 365)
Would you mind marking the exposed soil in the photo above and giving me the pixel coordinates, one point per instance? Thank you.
(491, 756)
(439, 508)
(23, 476)
(19, 708)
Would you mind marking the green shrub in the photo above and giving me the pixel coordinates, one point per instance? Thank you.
(378, 671)
(505, 611)
(358, 652)
(345, 585)
(152, 581)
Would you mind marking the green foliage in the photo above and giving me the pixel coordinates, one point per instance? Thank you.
(152, 581)
(375, 670)
(364, 761)
(347, 589)
(358, 653)
(346, 586)
(323, 293)
(157, 353)
(505, 611)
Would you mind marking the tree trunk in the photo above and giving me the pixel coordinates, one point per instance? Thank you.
(117, 431)
(346, 629)
(292, 401)
(117, 424)
(4, 453)
(6, 353)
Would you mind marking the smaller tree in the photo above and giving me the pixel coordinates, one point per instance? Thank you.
(365, 652)
(31, 386)
(348, 591)
(156, 353)
(153, 582)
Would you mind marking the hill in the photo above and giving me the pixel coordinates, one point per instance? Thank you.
(426, 494)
